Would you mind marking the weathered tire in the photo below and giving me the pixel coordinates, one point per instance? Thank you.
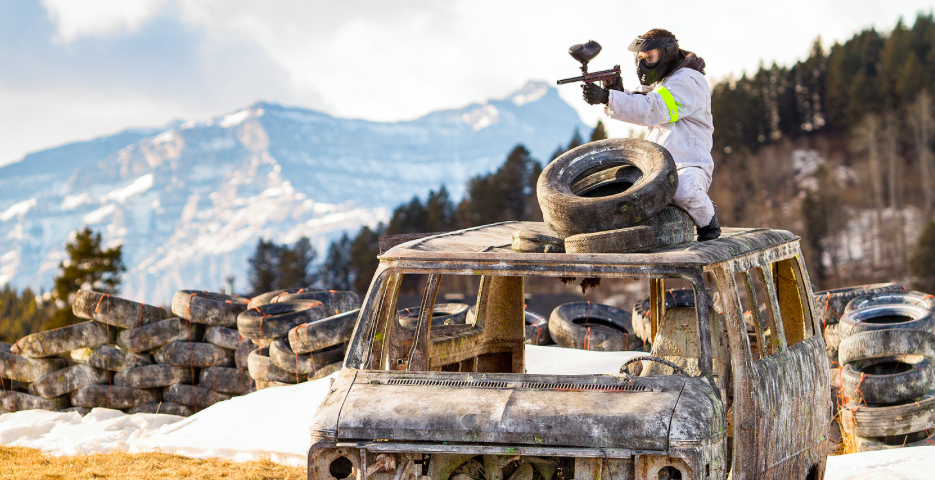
(25, 369)
(324, 333)
(886, 317)
(831, 303)
(154, 376)
(891, 297)
(223, 337)
(67, 380)
(262, 368)
(537, 329)
(671, 226)
(79, 410)
(566, 208)
(442, 314)
(208, 308)
(157, 334)
(168, 408)
(525, 241)
(276, 319)
(62, 340)
(18, 401)
(243, 352)
(6, 347)
(112, 396)
(193, 395)
(916, 439)
(303, 364)
(326, 370)
(890, 420)
(336, 302)
(261, 384)
(886, 343)
(116, 311)
(194, 354)
(270, 297)
(623, 240)
(227, 380)
(870, 381)
(109, 358)
(682, 297)
(590, 326)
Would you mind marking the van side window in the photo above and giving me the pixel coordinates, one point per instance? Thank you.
(794, 308)
(767, 310)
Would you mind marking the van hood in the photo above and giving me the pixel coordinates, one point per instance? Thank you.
(612, 411)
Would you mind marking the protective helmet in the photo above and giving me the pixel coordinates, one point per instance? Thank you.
(655, 55)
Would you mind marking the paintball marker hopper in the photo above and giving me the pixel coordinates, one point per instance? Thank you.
(584, 53)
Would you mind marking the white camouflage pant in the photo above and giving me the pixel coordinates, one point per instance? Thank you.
(692, 195)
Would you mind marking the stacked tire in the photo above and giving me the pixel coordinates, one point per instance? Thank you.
(296, 335)
(887, 350)
(608, 196)
(592, 326)
(831, 304)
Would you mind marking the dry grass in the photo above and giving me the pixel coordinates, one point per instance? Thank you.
(28, 463)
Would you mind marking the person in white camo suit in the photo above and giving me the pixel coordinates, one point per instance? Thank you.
(674, 101)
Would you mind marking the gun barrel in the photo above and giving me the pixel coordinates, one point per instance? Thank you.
(592, 77)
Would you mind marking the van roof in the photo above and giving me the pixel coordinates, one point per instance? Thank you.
(492, 243)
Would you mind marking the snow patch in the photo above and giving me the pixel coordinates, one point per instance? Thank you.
(482, 117)
(17, 209)
(164, 137)
(533, 92)
(99, 215)
(72, 202)
(138, 186)
(218, 144)
(234, 119)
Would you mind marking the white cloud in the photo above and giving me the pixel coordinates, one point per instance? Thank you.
(83, 18)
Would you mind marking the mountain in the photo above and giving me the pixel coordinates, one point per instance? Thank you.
(189, 202)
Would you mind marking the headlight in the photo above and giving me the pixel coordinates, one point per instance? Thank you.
(655, 467)
(335, 464)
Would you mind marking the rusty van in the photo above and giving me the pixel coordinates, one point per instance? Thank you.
(718, 396)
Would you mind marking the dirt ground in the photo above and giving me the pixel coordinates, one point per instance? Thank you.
(28, 463)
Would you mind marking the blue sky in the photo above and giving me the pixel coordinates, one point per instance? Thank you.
(72, 70)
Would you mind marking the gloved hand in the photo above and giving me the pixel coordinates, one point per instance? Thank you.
(594, 94)
(613, 83)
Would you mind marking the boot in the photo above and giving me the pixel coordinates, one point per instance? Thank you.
(711, 231)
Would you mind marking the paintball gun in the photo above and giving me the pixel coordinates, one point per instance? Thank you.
(584, 53)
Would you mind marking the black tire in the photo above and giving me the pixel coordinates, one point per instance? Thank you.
(262, 369)
(675, 298)
(326, 370)
(590, 326)
(194, 355)
(25, 369)
(116, 311)
(223, 337)
(886, 343)
(243, 353)
(158, 334)
(570, 207)
(167, 408)
(62, 340)
(336, 302)
(79, 410)
(915, 439)
(442, 314)
(671, 226)
(270, 297)
(112, 396)
(276, 319)
(884, 421)
(67, 380)
(227, 380)
(525, 241)
(208, 308)
(623, 240)
(324, 333)
(888, 380)
(303, 364)
(154, 376)
(831, 303)
(106, 357)
(537, 329)
(886, 317)
(895, 297)
(193, 396)
(13, 401)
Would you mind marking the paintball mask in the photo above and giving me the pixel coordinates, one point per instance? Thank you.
(655, 57)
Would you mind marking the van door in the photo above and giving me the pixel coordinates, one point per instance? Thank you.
(780, 370)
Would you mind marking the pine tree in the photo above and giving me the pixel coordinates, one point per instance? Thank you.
(363, 258)
(88, 267)
(599, 132)
(335, 273)
(294, 265)
(922, 264)
(264, 267)
(21, 314)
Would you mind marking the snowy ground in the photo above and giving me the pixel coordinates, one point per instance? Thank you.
(273, 424)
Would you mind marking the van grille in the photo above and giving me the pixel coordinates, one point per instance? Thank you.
(524, 385)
